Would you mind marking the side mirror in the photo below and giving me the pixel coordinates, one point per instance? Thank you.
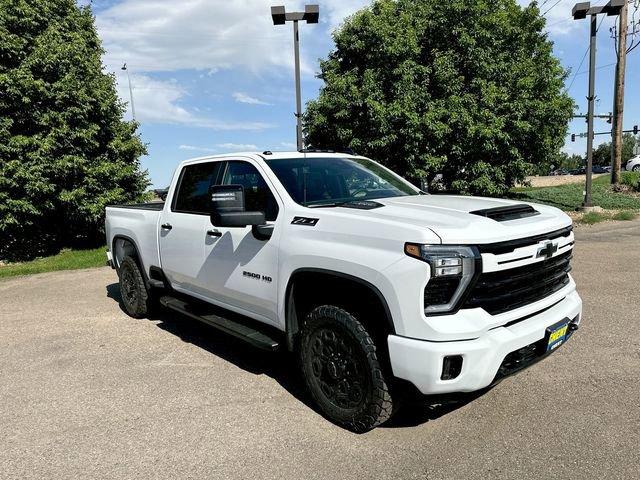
(227, 208)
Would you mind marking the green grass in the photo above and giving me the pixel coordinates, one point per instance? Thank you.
(593, 217)
(569, 197)
(625, 215)
(65, 260)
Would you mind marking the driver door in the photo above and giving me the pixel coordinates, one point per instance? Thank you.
(239, 269)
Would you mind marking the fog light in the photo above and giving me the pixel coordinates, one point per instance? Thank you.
(451, 367)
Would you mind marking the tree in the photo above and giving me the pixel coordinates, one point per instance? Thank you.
(602, 154)
(469, 89)
(65, 151)
(568, 162)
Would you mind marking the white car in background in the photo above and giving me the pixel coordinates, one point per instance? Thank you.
(633, 165)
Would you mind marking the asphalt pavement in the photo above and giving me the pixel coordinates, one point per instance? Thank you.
(87, 392)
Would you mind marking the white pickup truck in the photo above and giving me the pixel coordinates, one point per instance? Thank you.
(374, 285)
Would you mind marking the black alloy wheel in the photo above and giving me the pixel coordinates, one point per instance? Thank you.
(341, 369)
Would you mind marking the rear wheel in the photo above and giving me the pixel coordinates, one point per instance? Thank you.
(341, 369)
(636, 168)
(135, 297)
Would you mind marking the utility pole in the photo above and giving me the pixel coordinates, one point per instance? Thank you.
(618, 97)
(311, 14)
(133, 108)
(581, 11)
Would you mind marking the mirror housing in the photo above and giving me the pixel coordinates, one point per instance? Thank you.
(227, 209)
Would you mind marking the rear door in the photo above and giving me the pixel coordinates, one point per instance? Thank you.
(184, 226)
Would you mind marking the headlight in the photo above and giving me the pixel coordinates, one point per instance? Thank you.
(452, 270)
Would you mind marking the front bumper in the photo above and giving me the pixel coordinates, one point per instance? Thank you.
(421, 362)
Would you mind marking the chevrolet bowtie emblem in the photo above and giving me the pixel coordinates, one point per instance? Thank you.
(548, 250)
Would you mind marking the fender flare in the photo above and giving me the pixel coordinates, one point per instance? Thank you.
(116, 237)
(291, 320)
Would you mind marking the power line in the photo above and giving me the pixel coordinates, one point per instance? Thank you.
(551, 8)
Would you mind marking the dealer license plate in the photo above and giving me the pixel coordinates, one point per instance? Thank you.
(557, 334)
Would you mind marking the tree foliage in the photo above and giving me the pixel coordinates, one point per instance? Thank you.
(602, 154)
(65, 151)
(469, 89)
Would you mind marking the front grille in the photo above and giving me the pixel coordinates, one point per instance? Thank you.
(521, 358)
(529, 354)
(498, 292)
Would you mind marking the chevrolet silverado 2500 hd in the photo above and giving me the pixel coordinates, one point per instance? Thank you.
(370, 281)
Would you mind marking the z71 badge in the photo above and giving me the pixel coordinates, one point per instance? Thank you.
(306, 221)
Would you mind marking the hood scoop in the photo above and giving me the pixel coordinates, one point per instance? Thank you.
(510, 212)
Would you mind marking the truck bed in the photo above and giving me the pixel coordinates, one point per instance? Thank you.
(136, 223)
(157, 206)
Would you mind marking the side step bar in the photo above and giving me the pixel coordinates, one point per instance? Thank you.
(258, 337)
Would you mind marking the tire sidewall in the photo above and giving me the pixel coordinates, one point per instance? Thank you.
(136, 307)
(368, 414)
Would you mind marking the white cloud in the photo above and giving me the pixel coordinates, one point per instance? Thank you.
(237, 146)
(166, 35)
(559, 19)
(208, 35)
(338, 10)
(194, 148)
(244, 98)
(157, 101)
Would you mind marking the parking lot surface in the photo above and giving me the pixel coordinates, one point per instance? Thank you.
(87, 392)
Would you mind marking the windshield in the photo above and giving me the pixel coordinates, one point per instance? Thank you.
(331, 181)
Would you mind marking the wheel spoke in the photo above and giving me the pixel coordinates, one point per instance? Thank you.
(336, 365)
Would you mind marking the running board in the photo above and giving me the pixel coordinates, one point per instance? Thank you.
(256, 336)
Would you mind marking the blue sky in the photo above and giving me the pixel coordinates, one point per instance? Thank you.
(215, 76)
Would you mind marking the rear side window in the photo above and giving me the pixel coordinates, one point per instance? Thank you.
(193, 190)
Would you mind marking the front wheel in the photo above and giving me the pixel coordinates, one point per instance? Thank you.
(636, 168)
(342, 371)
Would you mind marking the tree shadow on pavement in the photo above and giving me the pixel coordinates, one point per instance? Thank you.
(281, 366)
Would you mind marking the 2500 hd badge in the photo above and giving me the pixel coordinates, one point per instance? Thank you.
(257, 276)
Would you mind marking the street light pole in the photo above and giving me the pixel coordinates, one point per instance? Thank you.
(280, 17)
(133, 108)
(296, 49)
(581, 11)
(591, 99)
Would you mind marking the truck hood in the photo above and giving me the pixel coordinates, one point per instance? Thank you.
(450, 217)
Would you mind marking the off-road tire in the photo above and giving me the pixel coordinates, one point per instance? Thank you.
(135, 297)
(636, 168)
(338, 355)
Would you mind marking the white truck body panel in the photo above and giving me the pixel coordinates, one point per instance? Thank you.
(368, 245)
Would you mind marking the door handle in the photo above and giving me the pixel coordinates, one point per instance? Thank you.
(166, 226)
(214, 233)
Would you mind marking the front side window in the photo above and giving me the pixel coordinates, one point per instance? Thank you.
(328, 181)
(257, 195)
(193, 190)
